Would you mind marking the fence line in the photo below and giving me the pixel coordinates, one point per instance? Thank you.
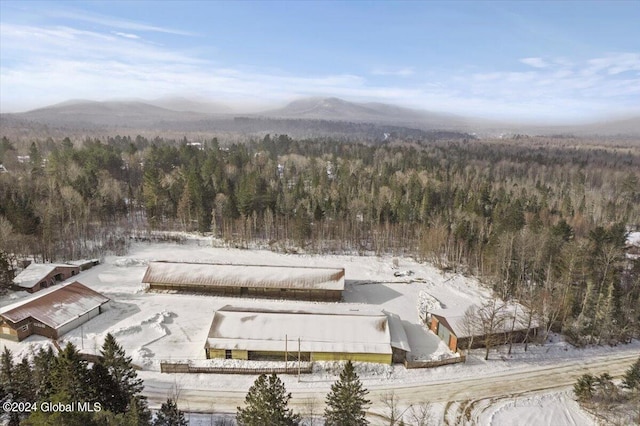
(168, 367)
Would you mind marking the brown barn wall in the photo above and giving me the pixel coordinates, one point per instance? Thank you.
(453, 342)
(260, 292)
(434, 325)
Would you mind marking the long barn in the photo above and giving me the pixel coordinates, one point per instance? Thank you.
(265, 281)
(314, 334)
(52, 313)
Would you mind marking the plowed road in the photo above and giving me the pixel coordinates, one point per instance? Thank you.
(499, 384)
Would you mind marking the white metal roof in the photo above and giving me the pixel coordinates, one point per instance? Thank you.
(36, 272)
(266, 330)
(265, 276)
(56, 307)
(399, 337)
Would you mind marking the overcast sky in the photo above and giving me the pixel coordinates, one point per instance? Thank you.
(507, 60)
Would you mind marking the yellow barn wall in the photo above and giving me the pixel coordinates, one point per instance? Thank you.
(216, 353)
(315, 356)
(239, 354)
(361, 357)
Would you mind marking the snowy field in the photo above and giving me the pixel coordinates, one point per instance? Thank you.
(538, 410)
(167, 326)
(162, 326)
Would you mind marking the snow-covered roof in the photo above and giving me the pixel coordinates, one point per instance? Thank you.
(399, 337)
(83, 262)
(266, 330)
(57, 307)
(633, 239)
(36, 272)
(265, 276)
(462, 328)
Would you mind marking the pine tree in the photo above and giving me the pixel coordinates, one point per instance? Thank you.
(266, 404)
(138, 413)
(3, 398)
(632, 376)
(22, 382)
(43, 363)
(125, 379)
(346, 403)
(170, 415)
(585, 387)
(6, 272)
(103, 387)
(69, 376)
(6, 369)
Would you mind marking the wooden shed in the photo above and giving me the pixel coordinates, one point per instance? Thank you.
(456, 332)
(263, 281)
(52, 313)
(37, 276)
(310, 334)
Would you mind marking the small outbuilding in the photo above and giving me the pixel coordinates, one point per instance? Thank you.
(312, 334)
(264, 281)
(52, 313)
(458, 331)
(37, 276)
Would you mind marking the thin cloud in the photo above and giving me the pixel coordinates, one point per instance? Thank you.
(402, 72)
(126, 35)
(113, 22)
(534, 62)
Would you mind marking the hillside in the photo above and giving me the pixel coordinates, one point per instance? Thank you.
(308, 117)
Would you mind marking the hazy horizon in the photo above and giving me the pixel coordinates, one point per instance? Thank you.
(554, 63)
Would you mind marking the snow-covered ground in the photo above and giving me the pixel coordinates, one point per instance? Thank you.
(165, 326)
(551, 409)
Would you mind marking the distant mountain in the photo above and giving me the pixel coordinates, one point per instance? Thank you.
(301, 118)
(335, 109)
(191, 105)
(92, 114)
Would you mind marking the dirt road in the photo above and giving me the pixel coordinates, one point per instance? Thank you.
(530, 378)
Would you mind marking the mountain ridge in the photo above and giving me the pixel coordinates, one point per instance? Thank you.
(185, 114)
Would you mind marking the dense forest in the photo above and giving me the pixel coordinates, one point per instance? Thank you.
(540, 222)
(46, 388)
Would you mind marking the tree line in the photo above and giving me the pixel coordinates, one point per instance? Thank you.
(609, 402)
(544, 225)
(109, 389)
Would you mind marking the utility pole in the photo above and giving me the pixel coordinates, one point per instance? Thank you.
(285, 353)
(298, 359)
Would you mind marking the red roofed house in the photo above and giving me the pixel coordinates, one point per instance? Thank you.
(52, 313)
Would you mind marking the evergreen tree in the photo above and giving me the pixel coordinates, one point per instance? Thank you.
(266, 404)
(126, 384)
(22, 382)
(69, 376)
(169, 415)
(43, 363)
(346, 403)
(138, 413)
(632, 376)
(585, 387)
(6, 272)
(3, 398)
(103, 387)
(6, 369)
